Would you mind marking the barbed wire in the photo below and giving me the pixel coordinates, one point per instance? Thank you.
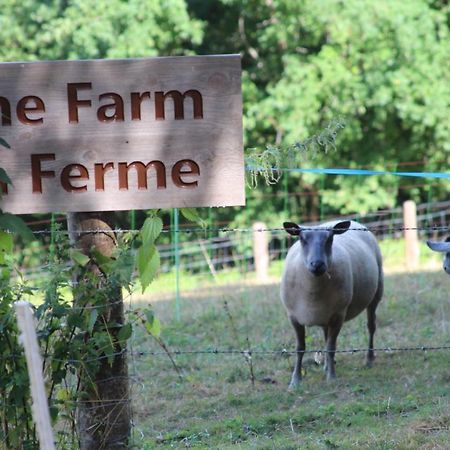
(250, 230)
(284, 351)
(249, 352)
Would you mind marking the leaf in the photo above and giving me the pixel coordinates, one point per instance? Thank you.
(149, 314)
(151, 230)
(92, 319)
(152, 325)
(148, 262)
(6, 244)
(125, 332)
(191, 214)
(125, 268)
(6, 248)
(79, 258)
(105, 263)
(14, 224)
(4, 177)
(155, 328)
(74, 320)
(3, 143)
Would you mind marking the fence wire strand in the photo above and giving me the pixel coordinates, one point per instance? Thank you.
(373, 229)
(246, 352)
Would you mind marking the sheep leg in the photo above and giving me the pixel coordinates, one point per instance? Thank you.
(334, 327)
(371, 320)
(371, 326)
(325, 335)
(300, 334)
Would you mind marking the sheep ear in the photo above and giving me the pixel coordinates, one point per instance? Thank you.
(341, 227)
(443, 247)
(292, 228)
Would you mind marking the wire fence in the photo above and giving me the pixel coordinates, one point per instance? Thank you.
(235, 249)
(248, 352)
(228, 247)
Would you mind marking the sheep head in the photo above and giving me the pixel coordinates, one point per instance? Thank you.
(316, 244)
(442, 247)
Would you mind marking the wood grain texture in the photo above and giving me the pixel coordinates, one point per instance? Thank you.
(213, 142)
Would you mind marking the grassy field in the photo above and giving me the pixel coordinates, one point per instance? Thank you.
(229, 401)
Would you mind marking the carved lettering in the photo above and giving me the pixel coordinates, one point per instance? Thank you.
(178, 104)
(23, 108)
(179, 171)
(118, 114)
(184, 174)
(36, 171)
(74, 102)
(99, 174)
(67, 176)
(142, 170)
(136, 101)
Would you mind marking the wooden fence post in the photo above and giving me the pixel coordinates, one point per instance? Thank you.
(104, 414)
(411, 236)
(261, 250)
(39, 407)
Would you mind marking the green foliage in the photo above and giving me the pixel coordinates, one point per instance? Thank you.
(147, 255)
(152, 323)
(381, 66)
(74, 333)
(83, 29)
(14, 224)
(192, 215)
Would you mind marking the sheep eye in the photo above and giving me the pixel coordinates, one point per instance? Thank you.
(303, 240)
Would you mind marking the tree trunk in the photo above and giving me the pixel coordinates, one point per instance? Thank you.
(103, 414)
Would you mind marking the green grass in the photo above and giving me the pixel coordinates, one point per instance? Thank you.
(401, 403)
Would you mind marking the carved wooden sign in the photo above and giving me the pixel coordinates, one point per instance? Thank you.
(105, 135)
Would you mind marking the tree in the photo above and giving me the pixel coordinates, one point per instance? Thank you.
(82, 29)
(381, 66)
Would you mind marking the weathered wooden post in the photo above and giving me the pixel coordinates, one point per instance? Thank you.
(411, 236)
(104, 414)
(39, 407)
(261, 250)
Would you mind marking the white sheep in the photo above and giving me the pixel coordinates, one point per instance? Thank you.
(330, 276)
(442, 247)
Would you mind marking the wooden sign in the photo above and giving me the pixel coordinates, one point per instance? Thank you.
(105, 135)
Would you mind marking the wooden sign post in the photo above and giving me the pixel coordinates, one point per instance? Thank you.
(112, 135)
